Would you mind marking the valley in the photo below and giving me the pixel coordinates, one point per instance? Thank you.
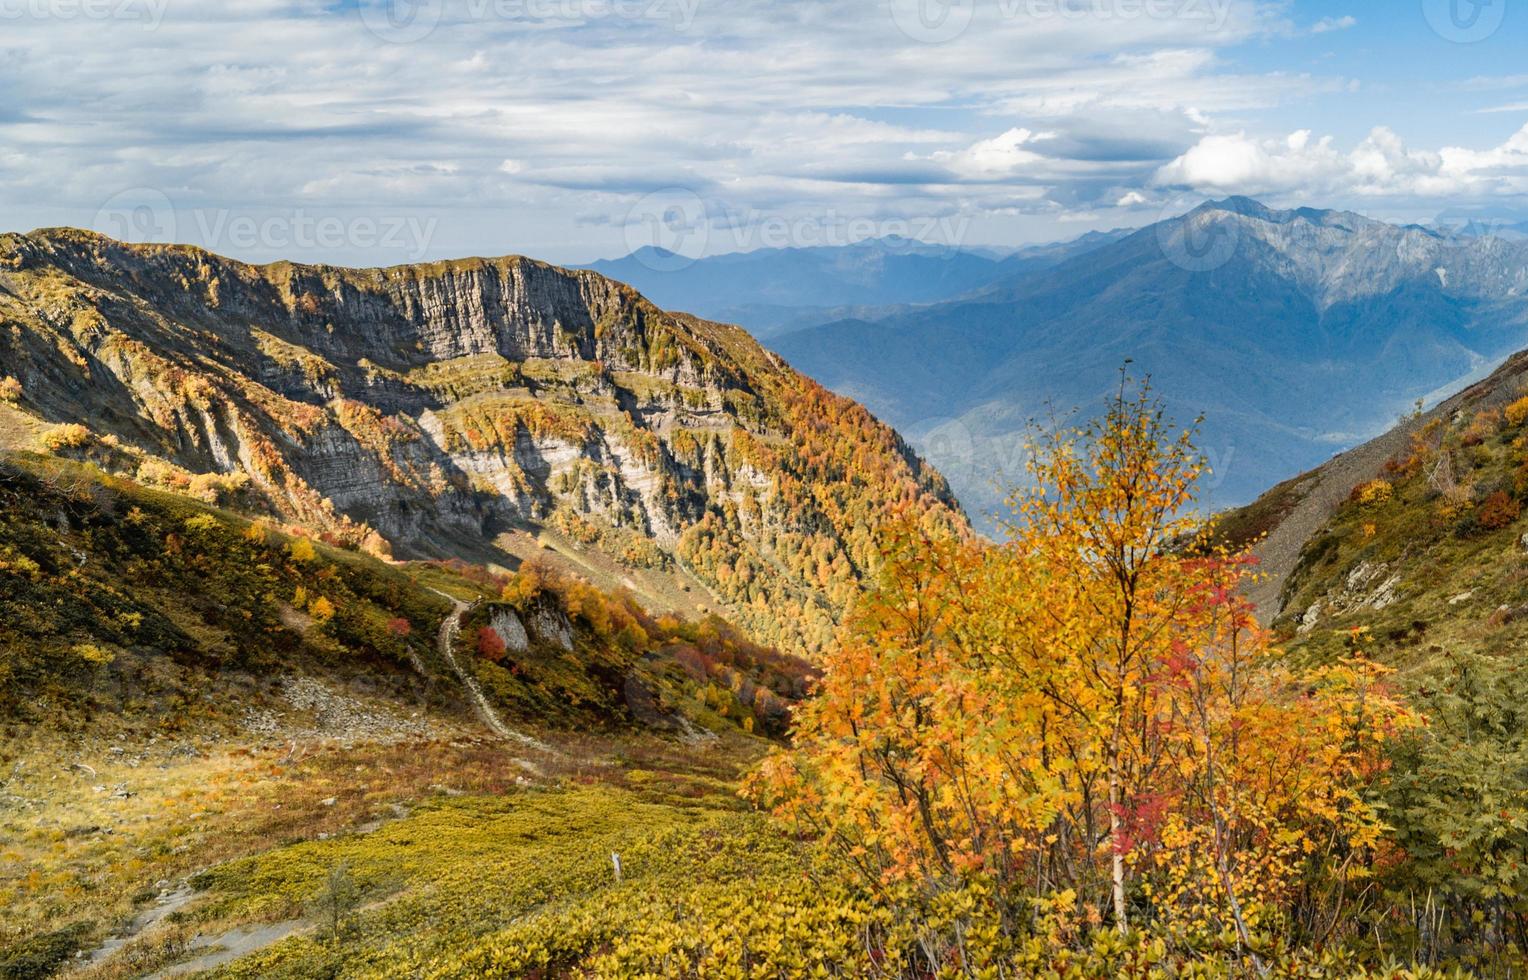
(918, 490)
(566, 636)
(1295, 334)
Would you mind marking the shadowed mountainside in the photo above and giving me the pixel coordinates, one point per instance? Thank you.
(1294, 333)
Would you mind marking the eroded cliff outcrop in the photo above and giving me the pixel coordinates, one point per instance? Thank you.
(440, 407)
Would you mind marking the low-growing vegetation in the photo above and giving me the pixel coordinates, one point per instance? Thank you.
(125, 606)
(1072, 754)
(556, 648)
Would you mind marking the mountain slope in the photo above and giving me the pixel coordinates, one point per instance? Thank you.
(1296, 333)
(125, 610)
(1417, 533)
(490, 409)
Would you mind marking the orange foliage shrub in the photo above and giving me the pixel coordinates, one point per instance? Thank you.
(1481, 427)
(489, 646)
(321, 609)
(1498, 510)
(70, 435)
(1089, 714)
(1517, 412)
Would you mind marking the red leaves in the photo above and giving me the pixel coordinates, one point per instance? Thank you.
(1140, 820)
(489, 646)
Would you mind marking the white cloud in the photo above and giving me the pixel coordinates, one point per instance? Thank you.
(1002, 156)
(542, 136)
(1381, 165)
(506, 127)
(1327, 25)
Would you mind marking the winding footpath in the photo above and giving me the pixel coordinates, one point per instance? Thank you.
(450, 628)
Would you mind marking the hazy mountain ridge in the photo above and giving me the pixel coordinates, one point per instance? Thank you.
(1296, 333)
(486, 407)
(771, 291)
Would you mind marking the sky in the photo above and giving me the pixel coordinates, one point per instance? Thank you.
(373, 132)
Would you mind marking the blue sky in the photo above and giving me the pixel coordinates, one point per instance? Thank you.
(380, 131)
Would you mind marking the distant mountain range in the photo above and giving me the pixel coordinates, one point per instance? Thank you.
(1296, 334)
(772, 291)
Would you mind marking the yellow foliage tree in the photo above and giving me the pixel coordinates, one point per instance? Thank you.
(1087, 714)
(321, 609)
(1517, 412)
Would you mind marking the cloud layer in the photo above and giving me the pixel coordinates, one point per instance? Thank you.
(559, 126)
(1379, 166)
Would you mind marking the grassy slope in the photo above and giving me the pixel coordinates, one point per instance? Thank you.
(130, 607)
(167, 704)
(1427, 573)
(439, 832)
(1284, 520)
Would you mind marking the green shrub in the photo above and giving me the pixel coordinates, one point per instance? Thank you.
(42, 955)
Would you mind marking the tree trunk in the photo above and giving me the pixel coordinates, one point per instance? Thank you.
(1117, 853)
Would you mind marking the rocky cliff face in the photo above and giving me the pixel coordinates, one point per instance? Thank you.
(464, 408)
(1339, 257)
